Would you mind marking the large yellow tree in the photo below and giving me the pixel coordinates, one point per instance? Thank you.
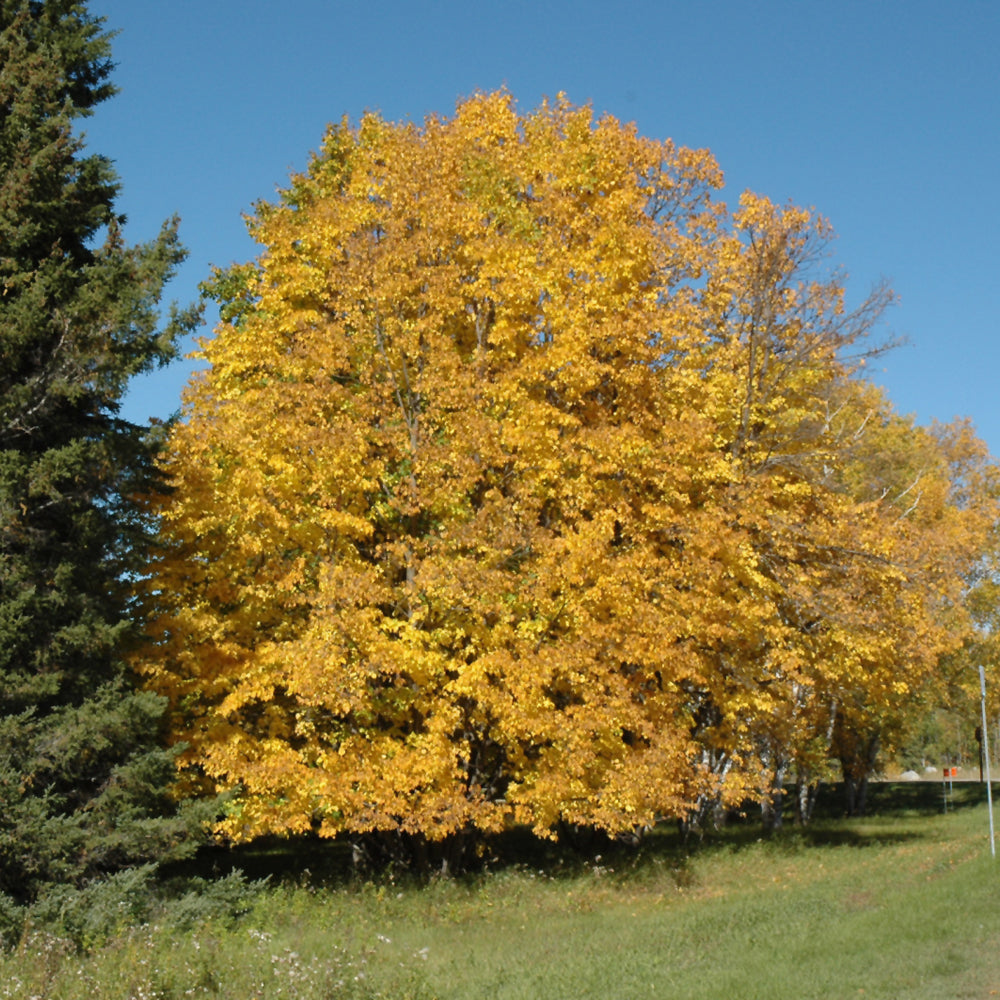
(507, 491)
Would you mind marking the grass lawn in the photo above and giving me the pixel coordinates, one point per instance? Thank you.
(903, 904)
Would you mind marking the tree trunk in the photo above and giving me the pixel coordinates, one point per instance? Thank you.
(773, 800)
(857, 759)
(806, 793)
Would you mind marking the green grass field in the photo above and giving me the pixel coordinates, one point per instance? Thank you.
(903, 904)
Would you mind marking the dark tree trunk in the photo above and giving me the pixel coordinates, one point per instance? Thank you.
(771, 805)
(858, 757)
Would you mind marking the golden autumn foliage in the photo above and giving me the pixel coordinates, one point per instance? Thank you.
(529, 484)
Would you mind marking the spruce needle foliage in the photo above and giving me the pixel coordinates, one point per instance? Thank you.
(83, 776)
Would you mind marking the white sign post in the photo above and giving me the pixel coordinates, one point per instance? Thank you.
(986, 759)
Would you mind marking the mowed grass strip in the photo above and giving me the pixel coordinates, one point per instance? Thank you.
(902, 905)
(904, 908)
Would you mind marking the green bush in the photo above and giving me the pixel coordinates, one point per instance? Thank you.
(87, 918)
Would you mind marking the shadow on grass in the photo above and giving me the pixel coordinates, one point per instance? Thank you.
(308, 860)
(903, 798)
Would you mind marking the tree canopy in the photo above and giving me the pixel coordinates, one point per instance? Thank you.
(530, 483)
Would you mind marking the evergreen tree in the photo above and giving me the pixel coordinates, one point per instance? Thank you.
(83, 774)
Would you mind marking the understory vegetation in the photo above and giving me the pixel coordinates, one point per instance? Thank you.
(900, 904)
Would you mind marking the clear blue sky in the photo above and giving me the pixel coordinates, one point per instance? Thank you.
(884, 115)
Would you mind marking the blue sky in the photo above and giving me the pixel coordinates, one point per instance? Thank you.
(882, 115)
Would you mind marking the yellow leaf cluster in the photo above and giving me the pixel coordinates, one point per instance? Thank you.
(528, 484)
